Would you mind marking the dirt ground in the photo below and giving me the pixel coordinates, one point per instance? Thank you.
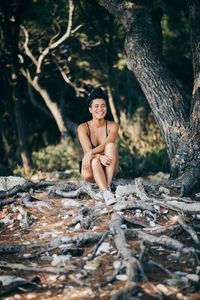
(78, 277)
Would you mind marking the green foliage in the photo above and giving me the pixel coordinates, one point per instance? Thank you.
(60, 157)
(141, 147)
(137, 164)
(57, 158)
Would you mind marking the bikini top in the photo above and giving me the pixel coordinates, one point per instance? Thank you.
(90, 136)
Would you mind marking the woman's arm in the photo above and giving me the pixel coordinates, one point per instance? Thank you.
(112, 135)
(86, 145)
(83, 138)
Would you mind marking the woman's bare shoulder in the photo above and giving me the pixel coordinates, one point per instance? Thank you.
(112, 124)
(82, 127)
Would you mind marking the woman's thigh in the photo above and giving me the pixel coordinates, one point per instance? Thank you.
(87, 174)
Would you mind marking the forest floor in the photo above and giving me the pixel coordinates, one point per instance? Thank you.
(53, 247)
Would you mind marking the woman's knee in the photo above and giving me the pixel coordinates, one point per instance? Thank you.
(87, 176)
(96, 163)
(111, 147)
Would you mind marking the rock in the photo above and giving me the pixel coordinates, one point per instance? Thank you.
(70, 203)
(123, 226)
(92, 265)
(116, 264)
(193, 277)
(77, 227)
(122, 277)
(60, 260)
(9, 279)
(125, 190)
(8, 182)
(164, 190)
(53, 277)
(105, 247)
(162, 288)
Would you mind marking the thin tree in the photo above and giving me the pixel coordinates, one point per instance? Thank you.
(62, 121)
(10, 18)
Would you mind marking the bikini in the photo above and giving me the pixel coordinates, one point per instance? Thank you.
(93, 146)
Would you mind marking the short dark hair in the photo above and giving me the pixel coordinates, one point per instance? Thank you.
(95, 94)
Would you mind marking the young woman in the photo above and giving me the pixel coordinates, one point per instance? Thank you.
(97, 137)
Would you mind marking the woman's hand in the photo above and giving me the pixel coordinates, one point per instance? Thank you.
(105, 160)
(87, 159)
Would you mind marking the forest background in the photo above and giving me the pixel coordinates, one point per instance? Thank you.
(52, 56)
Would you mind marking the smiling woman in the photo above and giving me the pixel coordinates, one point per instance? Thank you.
(97, 138)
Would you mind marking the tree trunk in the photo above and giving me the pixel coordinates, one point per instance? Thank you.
(54, 109)
(10, 21)
(22, 134)
(144, 58)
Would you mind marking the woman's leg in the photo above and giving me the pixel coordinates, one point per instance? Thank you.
(111, 170)
(96, 174)
(99, 174)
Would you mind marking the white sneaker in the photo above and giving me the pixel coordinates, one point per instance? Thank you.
(99, 196)
(109, 198)
(109, 189)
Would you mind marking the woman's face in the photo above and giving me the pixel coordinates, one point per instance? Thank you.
(98, 109)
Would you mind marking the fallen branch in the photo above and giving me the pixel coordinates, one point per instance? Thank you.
(131, 263)
(24, 187)
(76, 194)
(6, 265)
(140, 191)
(151, 262)
(6, 202)
(188, 229)
(133, 203)
(104, 236)
(164, 241)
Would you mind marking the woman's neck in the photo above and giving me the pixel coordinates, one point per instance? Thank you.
(98, 123)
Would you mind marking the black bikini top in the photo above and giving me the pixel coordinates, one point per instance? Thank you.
(90, 136)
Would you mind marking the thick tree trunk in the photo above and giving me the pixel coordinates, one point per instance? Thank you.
(194, 12)
(144, 59)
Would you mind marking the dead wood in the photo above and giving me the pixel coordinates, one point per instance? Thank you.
(188, 229)
(160, 230)
(75, 194)
(140, 191)
(147, 212)
(16, 283)
(127, 293)
(25, 187)
(114, 275)
(134, 203)
(16, 248)
(134, 222)
(164, 241)
(151, 262)
(6, 202)
(14, 266)
(83, 218)
(133, 267)
(104, 236)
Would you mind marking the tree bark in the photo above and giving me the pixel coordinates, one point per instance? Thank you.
(10, 23)
(194, 13)
(144, 58)
(22, 134)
